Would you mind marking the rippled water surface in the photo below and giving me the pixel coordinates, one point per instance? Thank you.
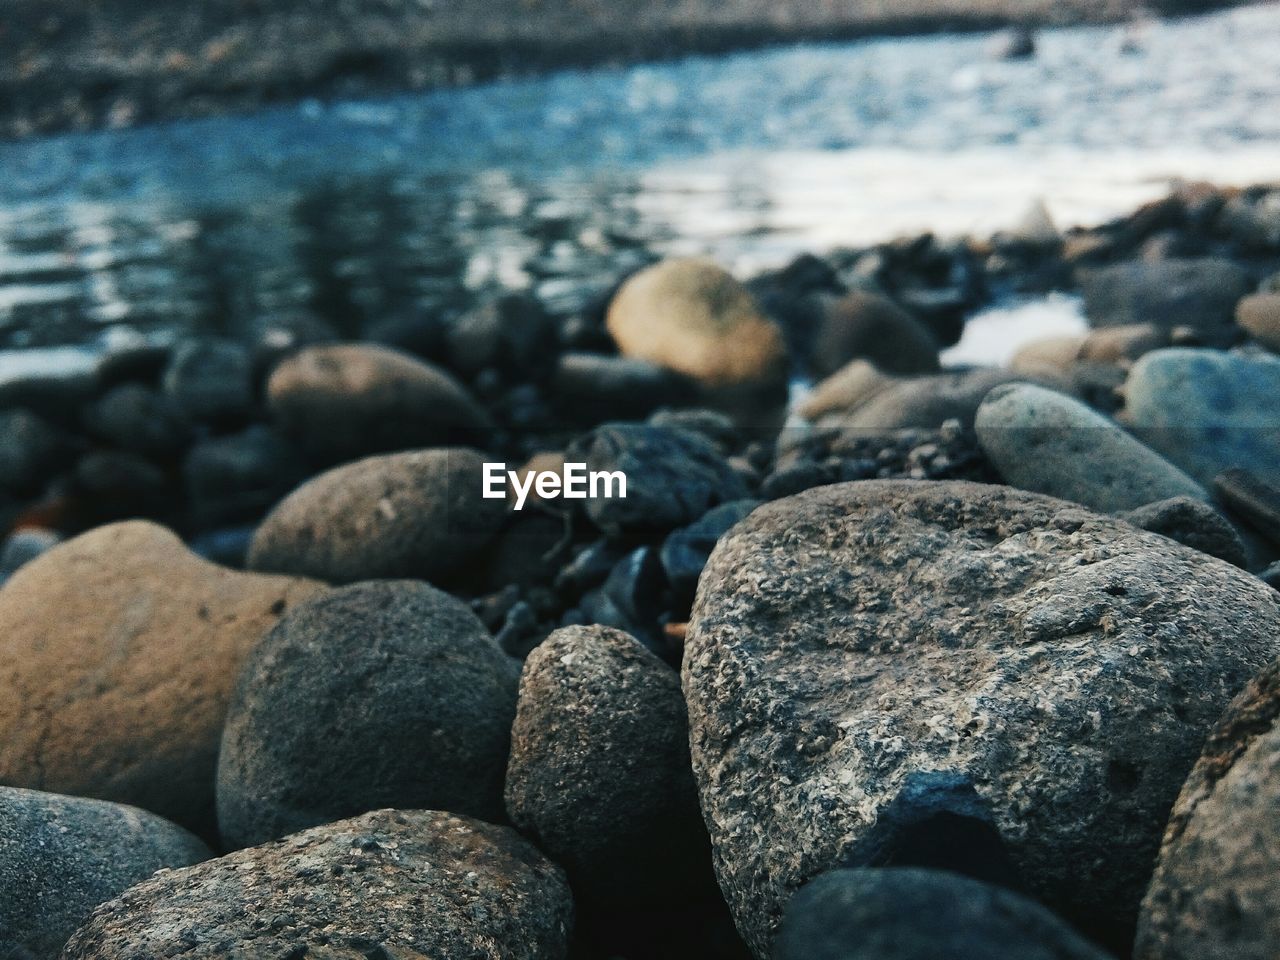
(352, 213)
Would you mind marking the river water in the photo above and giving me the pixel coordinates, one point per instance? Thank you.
(351, 213)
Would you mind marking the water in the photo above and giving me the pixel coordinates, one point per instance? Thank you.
(352, 213)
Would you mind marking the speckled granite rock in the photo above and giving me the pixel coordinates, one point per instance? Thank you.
(393, 883)
(868, 662)
(62, 856)
(1215, 894)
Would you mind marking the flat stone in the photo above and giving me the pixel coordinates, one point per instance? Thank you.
(873, 666)
(1200, 293)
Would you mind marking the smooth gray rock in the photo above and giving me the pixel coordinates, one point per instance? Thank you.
(873, 666)
(1207, 410)
(1214, 894)
(62, 856)
(381, 694)
(418, 514)
(599, 772)
(1045, 442)
(403, 884)
(1200, 293)
(914, 914)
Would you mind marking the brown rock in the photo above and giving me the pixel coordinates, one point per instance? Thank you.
(120, 650)
(868, 326)
(1259, 315)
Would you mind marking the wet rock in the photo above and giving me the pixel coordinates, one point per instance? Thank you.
(23, 546)
(1214, 893)
(528, 551)
(868, 326)
(511, 332)
(1207, 410)
(122, 649)
(62, 856)
(872, 667)
(210, 380)
(715, 426)
(1194, 523)
(393, 883)
(1042, 441)
(32, 450)
(52, 381)
(1197, 293)
(113, 485)
(875, 914)
(419, 514)
(693, 317)
(1259, 315)
(380, 694)
(685, 552)
(599, 772)
(673, 477)
(343, 401)
(590, 566)
(236, 477)
(137, 419)
(590, 387)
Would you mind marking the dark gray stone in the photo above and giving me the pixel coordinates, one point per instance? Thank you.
(407, 884)
(914, 914)
(62, 856)
(1193, 523)
(590, 387)
(140, 420)
(685, 552)
(31, 451)
(872, 665)
(210, 379)
(1197, 293)
(236, 477)
(386, 693)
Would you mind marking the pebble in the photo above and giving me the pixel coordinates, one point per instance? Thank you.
(1259, 316)
(392, 883)
(234, 478)
(868, 326)
(1207, 410)
(685, 551)
(1197, 293)
(1214, 894)
(876, 914)
(62, 856)
(1192, 523)
(673, 477)
(599, 773)
(418, 514)
(1045, 442)
(872, 666)
(137, 419)
(122, 648)
(382, 694)
(343, 401)
(210, 380)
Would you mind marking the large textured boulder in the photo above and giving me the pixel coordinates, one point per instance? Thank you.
(876, 914)
(1208, 410)
(1043, 441)
(872, 667)
(341, 401)
(419, 514)
(599, 772)
(397, 884)
(62, 856)
(120, 649)
(1215, 894)
(382, 694)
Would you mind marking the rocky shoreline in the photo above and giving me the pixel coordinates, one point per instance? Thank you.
(119, 63)
(901, 638)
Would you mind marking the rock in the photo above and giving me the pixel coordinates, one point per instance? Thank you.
(693, 317)
(590, 387)
(685, 551)
(343, 401)
(113, 485)
(599, 771)
(210, 379)
(1208, 411)
(1214, 894)
(511, 332)
(852, 386)
(924, 402)
(1034, 232)
(393, 883)
(673, 477)
(121, 648)
(1259, 315)
(715, 426)
(1016, 43)
(48, 380)
(873, 667)
(418, 514)
(236, 477)
(868, 326)
(1056, 354)
(1121, 346)
(875, 914)
(1194, 523)
(1045, 442)
(23, 546)
(32, 450)
(138, 420)
(62, 856)
(1251, 498)
(1198, 293)
(382, 694)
